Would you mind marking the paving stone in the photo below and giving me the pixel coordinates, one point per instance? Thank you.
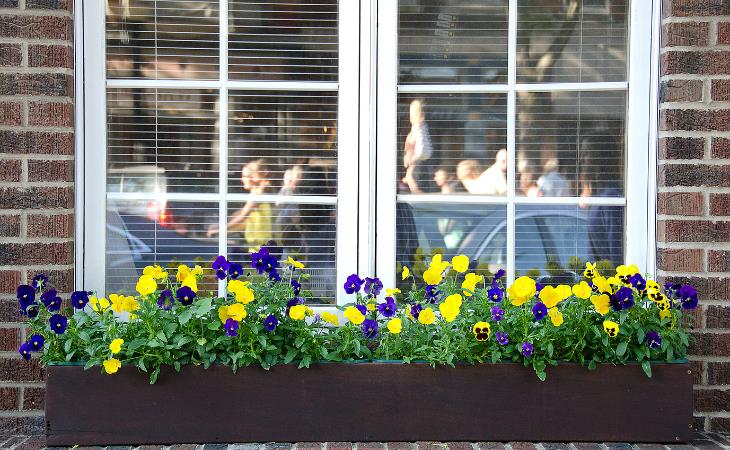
(649, 447)
(184, 447)
(490, 446)
(338, 445)
(522, 445)
(309, 445)
(278, 446)
(248, 446)
(706, 444)
(215, 447)
(587, 445)
(460, 446)
(400, 445)
(555, 446)
(369, 445)
(618, 446)
(429, 445)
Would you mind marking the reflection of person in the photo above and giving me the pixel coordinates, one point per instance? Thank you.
(601, 177)
(552, 183)
(468, 172)
(528, 186)
(492, 181)
(445, 181)
(292, 176)
(417, 148)
(254, 220)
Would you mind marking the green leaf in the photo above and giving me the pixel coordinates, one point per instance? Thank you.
(298, 342)
(202, 341)
(647, 368)
(135, 344)
(88, 365)
(203, 307)
(550, 349)
(670, 353)
(621, 348)
(640, 335)
(541, 375)
(161, 336)
(67, 345)
(185, 316)
(592, 365)
(153, 375)
(290, 355)
(214, 325)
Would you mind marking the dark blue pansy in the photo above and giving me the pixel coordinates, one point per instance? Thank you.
(297, 286)
(274, 276)
(362, 308)
(39, 281)
(539, 311)
(500, 273)
(293, 302)
(32, 311)
(432, 293)
(495, 294)
(166, 300)
(389, 308)
(538, 288)
(526, 349)
(502, 338)
(370, 328)
(622, 299)
(235, 270)
(416, 310)
(36, 342)
(373, 286)
(185, 295)
(231, 327)
(258, 259)
(25, 350)
(353, 284)
(271, 322)
(58, 323)
(220, 265)
(638, 282)
(497, 313)
(688, 296)
(653, 339)
(26, 296)
(79, 299)
(51, 300)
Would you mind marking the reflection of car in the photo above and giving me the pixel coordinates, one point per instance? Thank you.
(139, 179)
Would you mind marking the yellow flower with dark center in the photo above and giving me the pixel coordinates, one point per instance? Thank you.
(556, 317)
(331, 318)
(460, 263)
(182, 272)
(395, 326)
(590, 270)
(235, 311)
(470, 282)
(665, 313)
(197, 271)
(116, 346)
(294, 263)
(427, 316)
(656, 295)
(602, 284)
(652, 285)
(298, 312)
(521, 290)
(98, 304)
(611, 328)
(433, 276)
(354, 315)
(601, 303)
(405, 273)
(481, 331)
(146, 285)
(624, 273)
(156, 272)
(112, 365)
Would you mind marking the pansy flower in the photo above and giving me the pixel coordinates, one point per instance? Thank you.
(481, 331)
(370, 328)
(185, 295)
(25, 350)
(36, 342)
(497, 276)
(354, 315)
(622, 299)
(526, 349)
(501, 338)
(353, 284)
(26, 296)
(51, 300)
(388, 308)
(220, 265)
(638, 282)
(79, 299)
(235, 270)
(426, 316)
(270, 323)
(274, 276)
(166, 300)
(373, 286)
(58, 323)
(539, 311)
(611, 328)
(297, 286)
(497, 313)
(39, 281)
(432, 293)
(362, 308)
(293, 302)
(653, 339)
(416, 310)
(231, 327)
(495, 294)
(32, 311)
(688, 296)
(590, 271)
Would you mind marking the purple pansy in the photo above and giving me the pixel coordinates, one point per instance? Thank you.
(497, 313)
(500, 273)
(622, 299)
(231, 327)
(370, 328)
(51, 300)
(58, 323)
(220, 265)
(235, 270)
(688, 296)
(36, 342)
(79, 299)
(185, 295)
(653, 339)
(297, 286)
(527, 349)
(539, 311)
(166, 300)
(353, 284)
(495, 294)
(373, 286)
(25, 350)
(388, 308)
(362, 308)
(416, 310)
(501, 338)
(39, 281)
(26, 296)
(270, 323)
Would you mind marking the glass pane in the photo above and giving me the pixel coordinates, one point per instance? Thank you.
(283, 142)
(452, 143)
(162, 39)
(423, 229)
(556, 241)
(452, 41)
(157, 231)
(570, 144)
(571, 41)
(283, 40)
(307, 232)
(161, 141)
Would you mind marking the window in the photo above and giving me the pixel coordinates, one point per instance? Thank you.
(360, 136)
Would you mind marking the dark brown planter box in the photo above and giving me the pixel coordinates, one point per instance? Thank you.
(369, 402)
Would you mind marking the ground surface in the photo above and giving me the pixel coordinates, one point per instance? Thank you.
(703, 441)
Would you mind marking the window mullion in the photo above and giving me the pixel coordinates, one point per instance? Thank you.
(223, 136)
(511, 136)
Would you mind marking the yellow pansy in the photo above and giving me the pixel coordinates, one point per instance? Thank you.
(395, 326)
(582, 290)
(437, 263)
(611, 328)
(156, 272)
(433, 276)
(449, 311)
(600, 302)
(371, 306)
(130, 304)
(656, 295)
(404, 273)
(112, 365)
(182, 272)
(651, 284)
(116, 346)
(191, 282)
(590, 270)
(470, 282)
(460, 263)
(665, 313)
(197, 271)
(481, 331)
(244, 294)
(624, 273)
(294, 263)
(551, 296)
(602, 284)
(556, 317)
(354, 315)
(454, 299)
(389, 292)
(521, 290)
(330, 318)
(117, 302)
(427, 316)
(146, 285)
(235, 311)
(298, 312)
(98, 304)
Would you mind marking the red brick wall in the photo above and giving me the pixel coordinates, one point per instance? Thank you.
(36, 183)
(693, 227)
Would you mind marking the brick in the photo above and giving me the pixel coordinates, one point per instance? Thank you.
(680, 260)
(36, 27)
(681, 34)
(711, 344)
(680, 91)
(720, 204)
(34, 398)
(718, 373)
(711, 400)
(48, 4)
(9, 311)
(40, 84)
(11, 113)
(36, 253)
(372, 446)
(36, 198)
(694, 175)
(18, 370)
(51, 114)
(723, 33)
(50, 170)
(721, 148)
(695, 119)
(720, 424)
(37, 142)
(684, 8)
(718, 261)
(54, 56)
(54, 226)
(10, 54)
(697, 369)
(23, 426)
(9, 398)
(693, 231)
(34, 443)
(681, 148)
(708, 288)
(338, 445)
(9, 339)
(680, 203)
(457, 446)
(695, 62)
(10, 170)
(61, 280)
(718, 317)
(9, 226)
(9, 281)
(720, 91)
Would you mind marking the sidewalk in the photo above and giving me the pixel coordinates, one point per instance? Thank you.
(703, 441)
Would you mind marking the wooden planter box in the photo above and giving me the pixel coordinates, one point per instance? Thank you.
(369, 402)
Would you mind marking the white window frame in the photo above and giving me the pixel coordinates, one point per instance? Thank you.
(366, 238)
